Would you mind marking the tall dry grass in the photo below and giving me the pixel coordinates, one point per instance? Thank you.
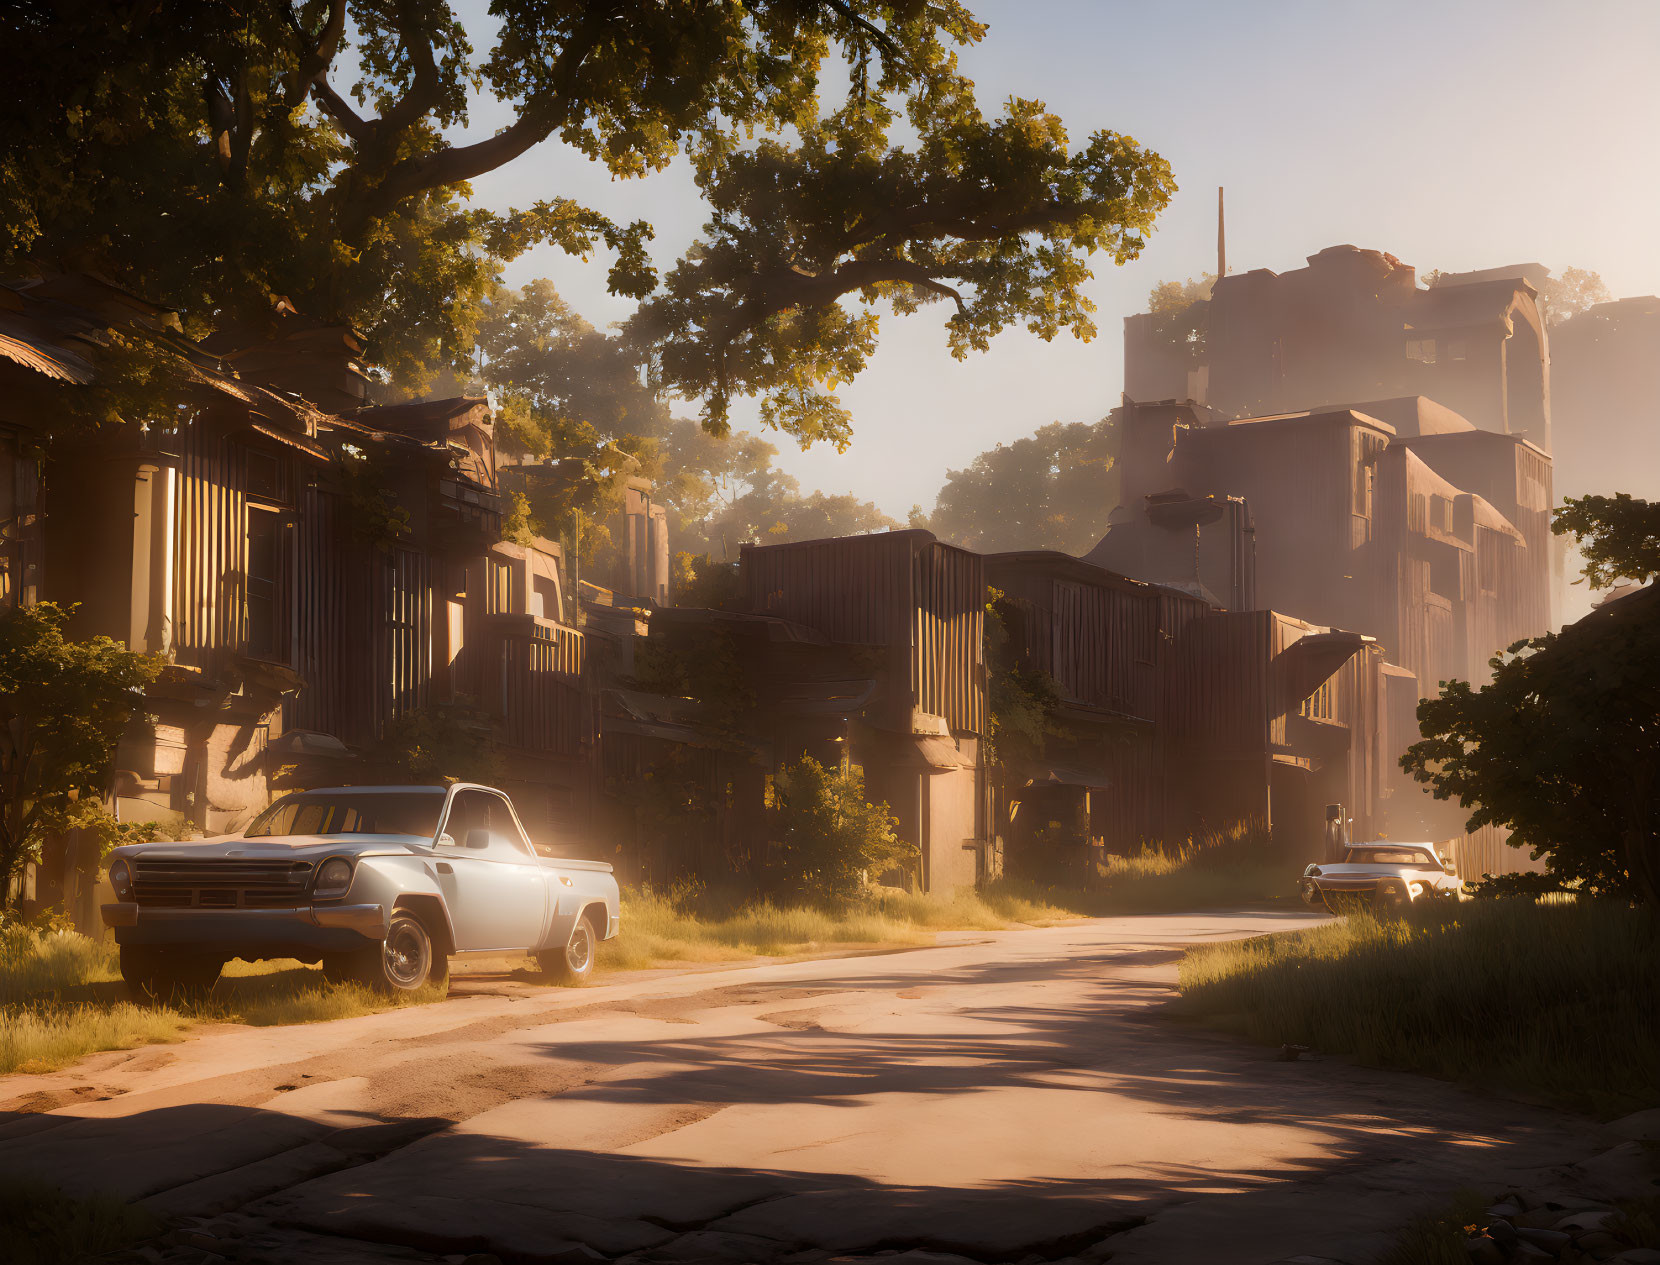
(1553, 999)
(61, 997)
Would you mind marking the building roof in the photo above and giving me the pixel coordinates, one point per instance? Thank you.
(1413, 415)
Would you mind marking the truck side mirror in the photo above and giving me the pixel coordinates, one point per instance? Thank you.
(477, 838)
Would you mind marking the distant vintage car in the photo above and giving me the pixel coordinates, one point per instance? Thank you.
(381, 884)
(1386, 874)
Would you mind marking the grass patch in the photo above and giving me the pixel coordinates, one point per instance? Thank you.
(40, 1225)
(1551, 999)
(1438, 1238)
(62, 997)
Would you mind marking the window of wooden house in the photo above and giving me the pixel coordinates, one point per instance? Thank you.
(1458, 349)
(1322, 704)
(267, 584)
(1440, 513)
(264, 475)
(1488, 545)
(1421, 349)
(498, 595)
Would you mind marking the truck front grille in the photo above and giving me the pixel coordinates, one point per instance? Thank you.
(220, 883)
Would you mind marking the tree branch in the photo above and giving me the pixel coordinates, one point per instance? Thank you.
(339, 109)
(886, 42)
(316, 60)
(454, 164)
(423, 90)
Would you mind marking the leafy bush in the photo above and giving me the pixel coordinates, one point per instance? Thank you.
(828, 840)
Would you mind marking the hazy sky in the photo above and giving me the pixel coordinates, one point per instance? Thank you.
(1455, 134)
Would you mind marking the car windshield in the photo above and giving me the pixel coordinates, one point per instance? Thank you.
(1393, 856)
(352, 813)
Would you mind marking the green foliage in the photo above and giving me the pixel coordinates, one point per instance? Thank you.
(707, 669)
(376, 517)
(1618, 536)
(828, 841)
(703, 582)
(997, 217)
(45, 1226)
(213, 157)
(1055, 489)
(1569, 293)
(1539, 998)
(519, 525)
(63, 707)
(1180, 311)
(1021, 701)
(438, 743)
(1563, 745)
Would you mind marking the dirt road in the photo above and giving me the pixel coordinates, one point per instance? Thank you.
(1003, 1097)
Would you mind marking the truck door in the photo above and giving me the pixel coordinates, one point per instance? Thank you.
(495, 888)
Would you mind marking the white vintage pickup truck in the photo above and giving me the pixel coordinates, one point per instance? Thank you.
(1390, 875)
(381, 884)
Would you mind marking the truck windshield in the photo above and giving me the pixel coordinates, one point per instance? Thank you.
(352, 813)
(1394, 856)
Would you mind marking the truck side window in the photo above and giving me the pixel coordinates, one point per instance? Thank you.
(502, 825)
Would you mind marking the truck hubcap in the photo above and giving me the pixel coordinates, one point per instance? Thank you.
(406, 956)
(580, 948)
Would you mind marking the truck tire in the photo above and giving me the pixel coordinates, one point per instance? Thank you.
(402, 964)
(168, 975)
(573, 964)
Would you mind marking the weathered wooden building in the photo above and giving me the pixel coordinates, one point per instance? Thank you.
(865, 650)
(309, 577)
(1177, 719)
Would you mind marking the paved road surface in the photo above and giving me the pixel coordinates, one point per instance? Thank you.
(1010, 1096)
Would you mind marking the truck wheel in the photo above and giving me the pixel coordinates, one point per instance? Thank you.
(1393, 898)
(402, 964)
(166, 975)
(573, 964)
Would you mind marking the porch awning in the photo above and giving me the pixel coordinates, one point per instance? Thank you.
(1302, 667)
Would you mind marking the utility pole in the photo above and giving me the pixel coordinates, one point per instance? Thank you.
(1221, 237)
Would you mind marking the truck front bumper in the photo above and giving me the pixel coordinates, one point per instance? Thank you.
(305, 932)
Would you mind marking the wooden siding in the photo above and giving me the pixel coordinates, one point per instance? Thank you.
(210, 549)
(403, 675)
(320, 640)
(947, 636)
(1104, 645)
(543, 704)
(903, 590)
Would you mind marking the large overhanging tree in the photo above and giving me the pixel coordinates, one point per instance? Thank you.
(213, 156)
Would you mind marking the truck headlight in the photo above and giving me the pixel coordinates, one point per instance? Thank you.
(121, 878)
(334, 877)
(1313, 871)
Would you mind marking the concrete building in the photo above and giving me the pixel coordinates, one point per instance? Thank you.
(1355, 325)
(1605, 382)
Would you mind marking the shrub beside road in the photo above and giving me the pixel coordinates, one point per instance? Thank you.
(1552, 999)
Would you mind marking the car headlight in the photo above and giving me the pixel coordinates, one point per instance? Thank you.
(121, 878)
(334, 876)
(1313, 871)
